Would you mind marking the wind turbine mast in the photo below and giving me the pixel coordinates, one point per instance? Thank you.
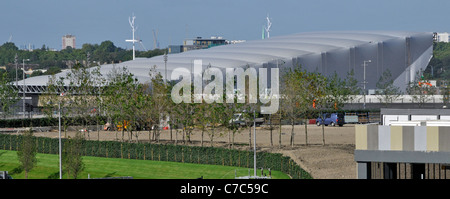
(133, 29)
(267, 28)
(155, 39)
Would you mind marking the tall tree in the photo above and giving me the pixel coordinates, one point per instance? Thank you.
(202, 116)
(293, 87)
(228, 113)
(122, 96)
(319, 93)
(159, 92)
(82, 93)
(27, 152)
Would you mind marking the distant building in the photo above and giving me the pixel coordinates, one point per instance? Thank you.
(235, 41)
(175, 49)
(441, 37)
(207, 43)
(198, 43)
(68, 40)
(27, 47)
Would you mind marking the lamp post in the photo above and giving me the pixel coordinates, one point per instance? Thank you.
(24, 85)
(59, 134)
(364, 82)
(254, 143)
(165, 67)
(15, 62)
(59, 129)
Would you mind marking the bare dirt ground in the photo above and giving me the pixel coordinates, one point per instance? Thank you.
(334, 160)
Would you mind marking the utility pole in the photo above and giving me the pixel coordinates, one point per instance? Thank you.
(365, 82)
(254, 143)
(165, 67)
(88, 56)
(15, 61)
(59, 127)
(24, 85)
(59, 140)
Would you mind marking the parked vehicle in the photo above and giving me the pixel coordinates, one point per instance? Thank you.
(108, 127)
(4, 175)
(331, 119)
(238, 118)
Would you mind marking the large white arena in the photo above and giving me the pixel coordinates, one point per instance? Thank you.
(403, 53)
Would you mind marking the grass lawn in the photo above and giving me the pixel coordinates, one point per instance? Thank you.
(48, 168)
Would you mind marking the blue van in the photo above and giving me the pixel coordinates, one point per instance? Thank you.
(331, 119)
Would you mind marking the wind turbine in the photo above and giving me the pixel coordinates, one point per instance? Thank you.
(155, 39)
(133, 29)
(269, 24)
(142, 44)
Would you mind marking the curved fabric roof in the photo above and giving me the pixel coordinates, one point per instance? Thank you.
(259, 52)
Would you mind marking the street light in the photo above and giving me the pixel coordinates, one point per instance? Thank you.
(59, 130)
(165, 67)
(254, 143)
(24, 85)
(364, 82)
(15, 62)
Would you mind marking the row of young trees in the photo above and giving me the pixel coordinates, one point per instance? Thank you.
(123, 100)
(310, 92)
(72, 162)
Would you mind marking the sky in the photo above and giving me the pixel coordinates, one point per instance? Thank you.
(44, 22)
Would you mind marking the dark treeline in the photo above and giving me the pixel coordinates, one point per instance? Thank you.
(54, 61)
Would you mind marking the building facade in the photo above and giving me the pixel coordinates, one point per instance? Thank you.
(340, 52)
(68, 40)
(441, 37)
(197, 43)
(418, 148)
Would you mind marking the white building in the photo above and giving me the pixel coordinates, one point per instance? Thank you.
(68, 40)
(403, 53)
(442, 37)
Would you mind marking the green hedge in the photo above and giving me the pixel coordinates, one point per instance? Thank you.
(27, 122)
(173, 153)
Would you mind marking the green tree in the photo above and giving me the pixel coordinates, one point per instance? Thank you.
(8, 52)
(82, 93)
(202, 115)
(293, 89)
(71, 156)
(159, 92)
(8, 95)
(123, 97)
(27, 152)
(420, 89)
(52, 70)
(386, 89)
(351, 85)
(229, 110)
(338, 91)
(319, 92)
